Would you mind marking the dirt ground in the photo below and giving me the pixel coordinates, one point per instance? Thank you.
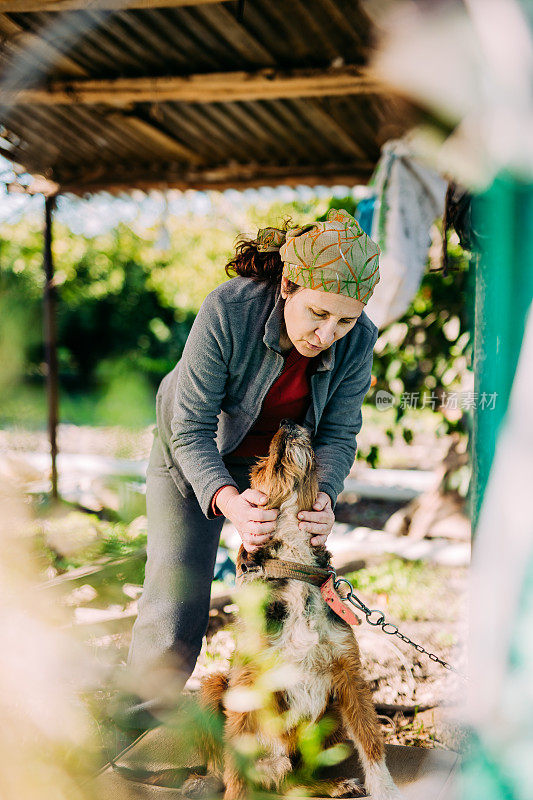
(417, 698)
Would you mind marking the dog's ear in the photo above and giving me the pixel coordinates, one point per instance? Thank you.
(308, 490)
(258, 479)
(270, 480)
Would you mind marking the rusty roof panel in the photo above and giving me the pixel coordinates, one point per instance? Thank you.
(209, 38)
(251, 139)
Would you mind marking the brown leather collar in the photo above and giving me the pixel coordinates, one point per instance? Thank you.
(276, 568)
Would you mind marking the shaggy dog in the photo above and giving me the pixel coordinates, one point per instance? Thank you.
(303, 633)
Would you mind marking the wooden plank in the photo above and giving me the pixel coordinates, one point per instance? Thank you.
(141, 129)
(238, 176)
(20, 42)
(29, 6)
(212, 88)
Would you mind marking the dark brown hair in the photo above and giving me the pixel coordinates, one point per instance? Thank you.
(252, 263)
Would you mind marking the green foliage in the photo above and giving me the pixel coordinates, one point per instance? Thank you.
(425, 355)
(128, 399)
(97, 541)
(13, 345)
(372, 456)
(311, 741)
(266, 676)
(405, 590)
(428, 350)
(125, 309)
(120, 298)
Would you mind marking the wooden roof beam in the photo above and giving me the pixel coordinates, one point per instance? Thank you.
(235, 176)
(40, 49)
(266, 84)
(23, 6)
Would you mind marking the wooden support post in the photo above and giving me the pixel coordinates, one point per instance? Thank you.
(50, 338)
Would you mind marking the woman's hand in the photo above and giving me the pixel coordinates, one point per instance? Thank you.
(319, 521)
(254, 525)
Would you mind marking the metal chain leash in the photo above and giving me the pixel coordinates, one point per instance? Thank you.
(387, 627)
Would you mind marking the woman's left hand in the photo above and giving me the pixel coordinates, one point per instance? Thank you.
(319, 521)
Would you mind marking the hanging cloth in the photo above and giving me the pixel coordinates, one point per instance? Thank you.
(409, 197)
(365, 213)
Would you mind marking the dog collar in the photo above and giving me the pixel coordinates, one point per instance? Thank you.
(334, 601)
(273, 568)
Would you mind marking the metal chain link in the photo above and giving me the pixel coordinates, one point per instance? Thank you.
(388, 627)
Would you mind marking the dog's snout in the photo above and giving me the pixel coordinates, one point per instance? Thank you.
(288, 424)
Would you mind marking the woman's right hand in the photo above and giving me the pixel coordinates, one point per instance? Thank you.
(254, 524)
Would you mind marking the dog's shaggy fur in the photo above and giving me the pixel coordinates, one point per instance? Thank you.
(302, 632)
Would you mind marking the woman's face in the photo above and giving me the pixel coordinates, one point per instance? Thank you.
(315, 319)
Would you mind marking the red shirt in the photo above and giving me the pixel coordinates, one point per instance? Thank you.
(287, 398)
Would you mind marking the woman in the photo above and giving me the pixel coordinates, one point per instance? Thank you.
(287, 337)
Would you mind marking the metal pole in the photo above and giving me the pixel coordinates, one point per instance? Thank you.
(50, 338)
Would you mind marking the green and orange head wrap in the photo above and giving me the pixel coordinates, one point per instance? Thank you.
(270, 239)
(333, 256)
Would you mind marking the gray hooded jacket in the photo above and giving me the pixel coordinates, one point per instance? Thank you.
(211, 399)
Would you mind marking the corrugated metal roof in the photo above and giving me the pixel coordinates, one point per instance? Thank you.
(245, 139)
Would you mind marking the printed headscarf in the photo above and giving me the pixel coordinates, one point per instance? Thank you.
(333, 256)
(270, 239)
